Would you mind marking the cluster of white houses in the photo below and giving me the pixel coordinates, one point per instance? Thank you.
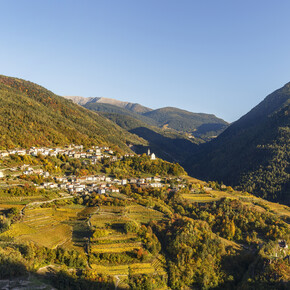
(98, 183)
(74, 151)
(88, 184)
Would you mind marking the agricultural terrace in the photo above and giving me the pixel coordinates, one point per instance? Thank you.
(49, 227)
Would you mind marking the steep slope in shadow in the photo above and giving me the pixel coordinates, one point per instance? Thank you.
(170, 149)
(254, 152)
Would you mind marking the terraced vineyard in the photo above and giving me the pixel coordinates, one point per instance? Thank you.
(45, 226)
(142, 214)
(193, 197)
(71, 227)
(19, 199)
(125, 237)
(110, 221)
(116, 247)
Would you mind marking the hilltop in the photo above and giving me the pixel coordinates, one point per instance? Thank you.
(113, 109)
(253, 152)
(173, 134)
(34, 116)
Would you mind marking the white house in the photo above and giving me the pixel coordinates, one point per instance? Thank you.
(158, 185)
(141, 180)
(79, 189)
(101, 191)
(1, 174)
(4, 154)
(45, 174)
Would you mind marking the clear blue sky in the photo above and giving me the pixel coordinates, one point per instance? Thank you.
(215, 56)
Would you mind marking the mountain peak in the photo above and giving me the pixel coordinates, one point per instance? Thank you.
(134, 107)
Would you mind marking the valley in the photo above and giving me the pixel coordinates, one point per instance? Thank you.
(252, 154)
(144, 145)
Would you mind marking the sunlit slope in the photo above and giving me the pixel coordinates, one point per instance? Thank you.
(31, 115)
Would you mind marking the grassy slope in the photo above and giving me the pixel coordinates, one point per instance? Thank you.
(257, 203)
(132, 107)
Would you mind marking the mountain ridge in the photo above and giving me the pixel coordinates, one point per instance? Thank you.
(199, 125)
(185, 121)
(134, 107)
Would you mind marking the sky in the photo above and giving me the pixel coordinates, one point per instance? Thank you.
(221, 57)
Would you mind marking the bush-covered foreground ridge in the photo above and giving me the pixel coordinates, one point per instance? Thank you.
(74, 221)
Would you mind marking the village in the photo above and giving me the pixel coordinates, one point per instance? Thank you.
(72, 184)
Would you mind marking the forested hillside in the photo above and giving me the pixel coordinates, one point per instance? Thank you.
(113, 109)
(199, 124)
(32, 116)
(252, 153)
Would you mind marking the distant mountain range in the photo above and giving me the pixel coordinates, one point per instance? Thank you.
(253, 152)
(199, 125)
